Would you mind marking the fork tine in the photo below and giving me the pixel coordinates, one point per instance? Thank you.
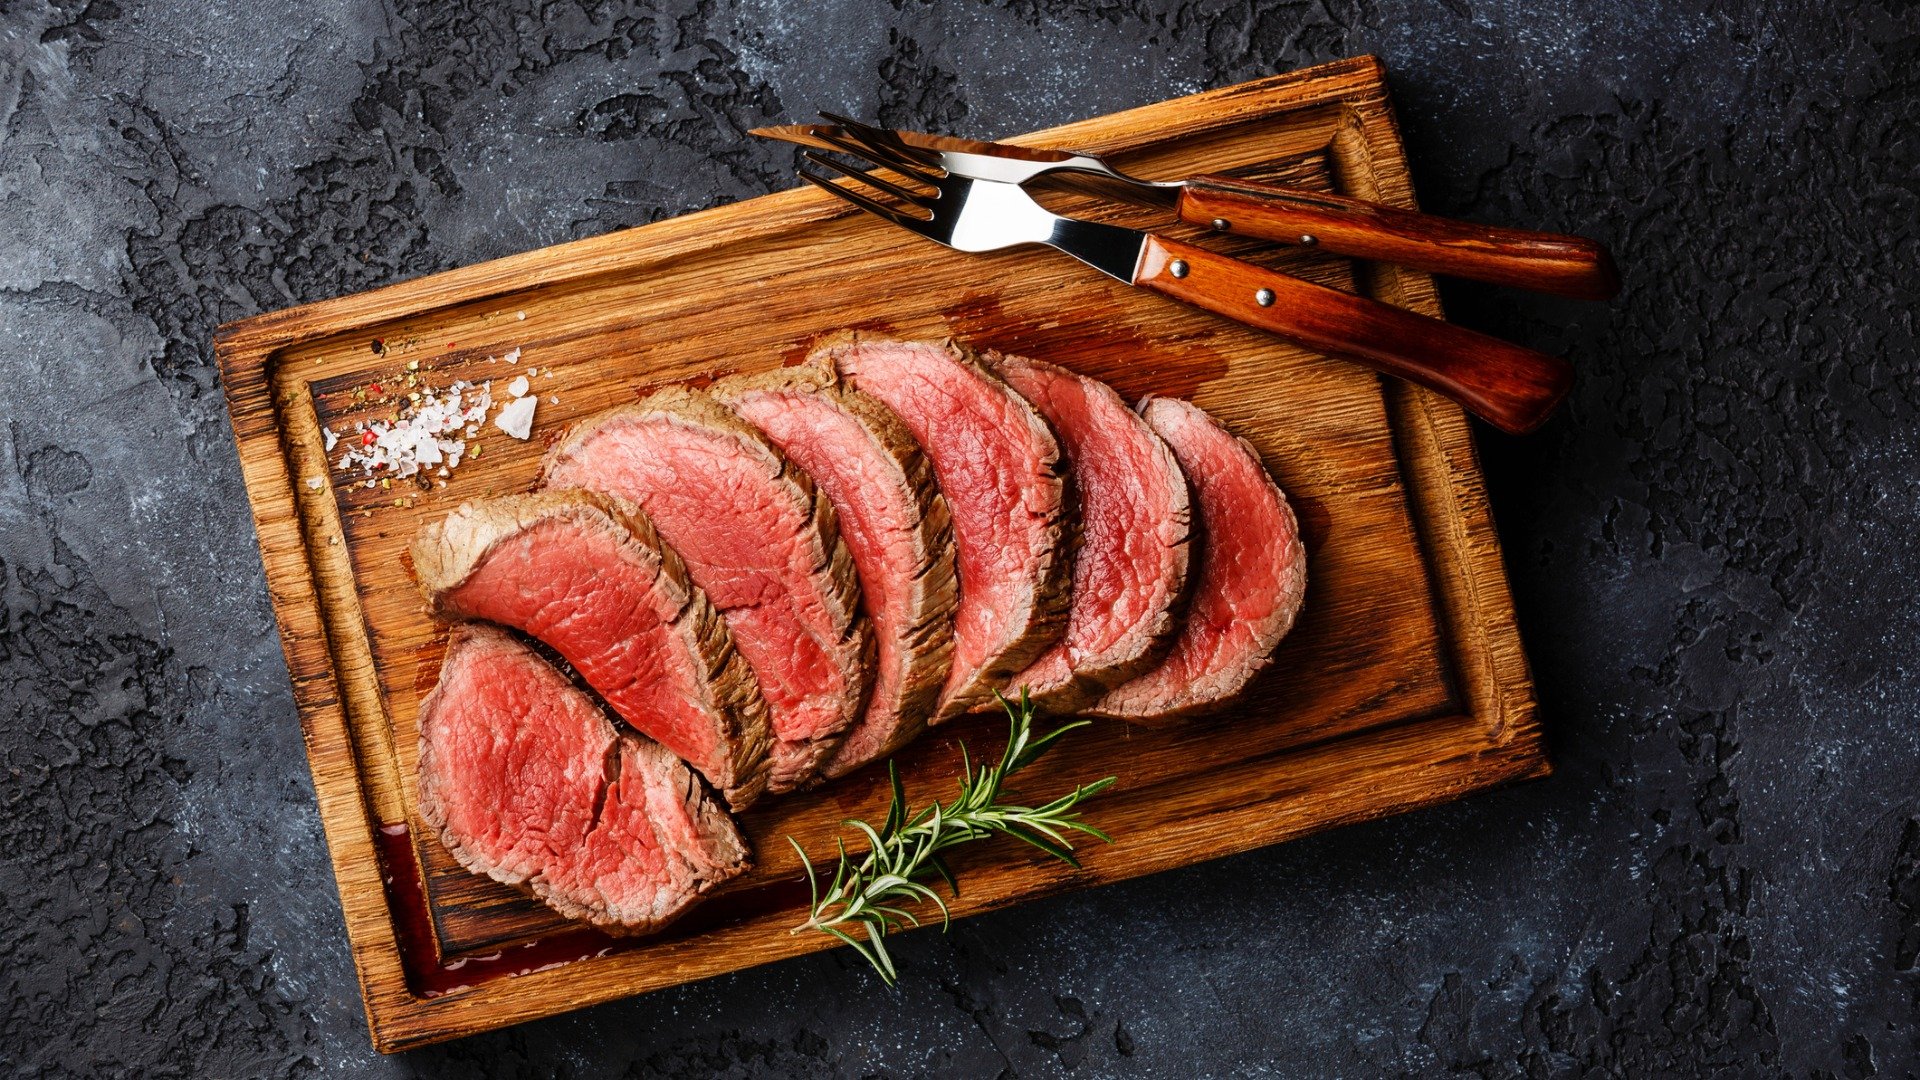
(871, 206)
(876, 136)
(924, 202)
(876, 155)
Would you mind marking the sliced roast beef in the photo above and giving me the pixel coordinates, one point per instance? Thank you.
(1130, 571)
(589, 576)
(761, 542)
(528, 782)
(894, 523)
(1250, 574)
(999, 468)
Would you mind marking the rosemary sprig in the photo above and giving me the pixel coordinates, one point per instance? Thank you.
(867, 896)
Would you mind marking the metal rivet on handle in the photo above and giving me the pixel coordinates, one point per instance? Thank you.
(1309, 239)
(1264, 298)
(1222, 224)
(1179, 268)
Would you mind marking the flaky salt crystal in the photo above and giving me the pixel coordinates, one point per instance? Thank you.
(516, 417)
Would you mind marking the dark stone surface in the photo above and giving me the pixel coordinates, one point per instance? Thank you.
(1712, 549)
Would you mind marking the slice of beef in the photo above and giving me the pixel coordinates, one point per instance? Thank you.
(760, 541)
(894, 523)
(999, 467)
(1130, 571)
(1250, 574)
(589, 576)
(526, 781)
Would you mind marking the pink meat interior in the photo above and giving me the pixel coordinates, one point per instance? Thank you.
(577, 585)
(977, 435)
(877, 522)
(523, 769)
(744, 541)
(1123, 572)
(1249, 560)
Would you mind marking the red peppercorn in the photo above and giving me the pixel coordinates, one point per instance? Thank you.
(366, 438)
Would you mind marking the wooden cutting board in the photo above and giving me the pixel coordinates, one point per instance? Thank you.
(1403, 684)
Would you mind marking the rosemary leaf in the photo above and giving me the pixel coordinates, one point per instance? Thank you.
(867, 896)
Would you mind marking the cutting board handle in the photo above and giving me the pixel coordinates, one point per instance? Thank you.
(1512, 387)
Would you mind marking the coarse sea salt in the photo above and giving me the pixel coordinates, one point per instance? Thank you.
(516, 417)
(427, 438)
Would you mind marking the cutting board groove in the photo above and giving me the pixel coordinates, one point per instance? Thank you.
(1403, 684)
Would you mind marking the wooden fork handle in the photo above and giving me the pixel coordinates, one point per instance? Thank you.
(1509, 386)
(1541, 262)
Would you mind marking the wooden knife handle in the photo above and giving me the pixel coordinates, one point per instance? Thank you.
(1541, 262)
(1511, 387)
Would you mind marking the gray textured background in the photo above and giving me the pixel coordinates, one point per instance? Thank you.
(1713, 548)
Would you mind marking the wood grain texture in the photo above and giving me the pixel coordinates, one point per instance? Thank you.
(1402, 685)
(1571, 266)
